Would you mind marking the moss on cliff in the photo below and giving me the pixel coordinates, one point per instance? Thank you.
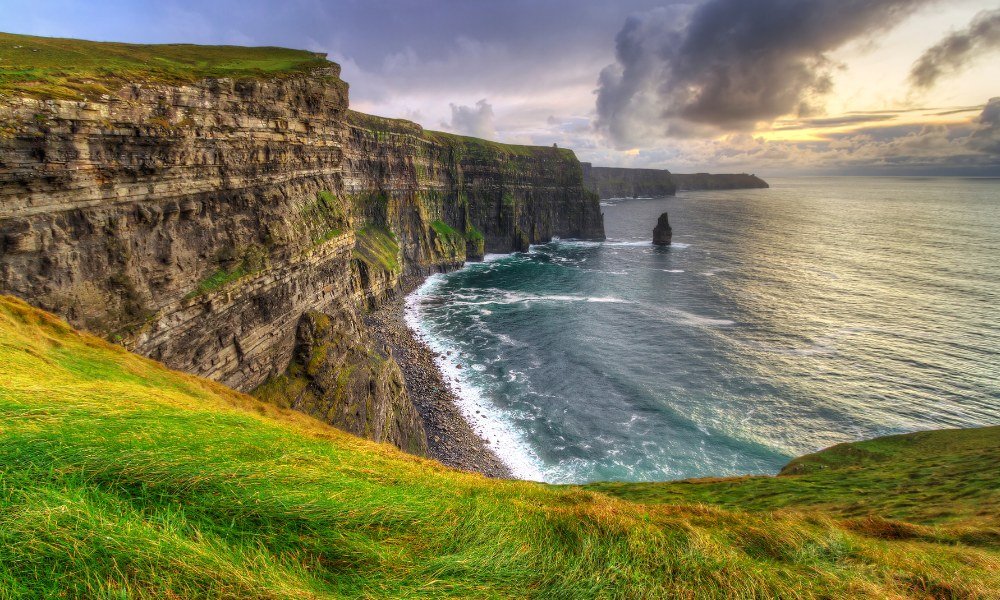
(43, 67)
(475, 243)
(337, 376)
(324, 218)
(237, 264)
(120, 478)
(378, 248)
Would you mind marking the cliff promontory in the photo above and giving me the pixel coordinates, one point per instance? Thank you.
(199, 214)
(621, 182)
(717, 181)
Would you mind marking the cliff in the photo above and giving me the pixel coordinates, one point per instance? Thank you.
(619, 182)
(196, 219)
(718, 181)
(122, 479)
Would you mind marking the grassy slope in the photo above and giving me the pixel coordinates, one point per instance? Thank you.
(931, 477)
(119, 477)
(65, 68)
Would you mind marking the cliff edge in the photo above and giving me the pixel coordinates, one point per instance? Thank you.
(196, 207)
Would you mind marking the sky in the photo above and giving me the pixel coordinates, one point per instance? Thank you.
(774, 87)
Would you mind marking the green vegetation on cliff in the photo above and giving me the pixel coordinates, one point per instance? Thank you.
(43, 67)
(378, 248)
(463, 145)
(929, 477)
(120, 478)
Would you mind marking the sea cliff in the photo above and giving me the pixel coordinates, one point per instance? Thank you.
(620, 182)
(205, 224)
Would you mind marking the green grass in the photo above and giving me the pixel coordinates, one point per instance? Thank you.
(218, 280)
(444, 230)
(378, 248)
(73, 69)
(475, 239)
(120, 478)
(927, 477)
(461, 144)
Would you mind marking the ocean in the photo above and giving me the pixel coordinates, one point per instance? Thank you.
(780, 322)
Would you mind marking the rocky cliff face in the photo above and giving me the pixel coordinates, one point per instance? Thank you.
(198, 224)
(617, 182)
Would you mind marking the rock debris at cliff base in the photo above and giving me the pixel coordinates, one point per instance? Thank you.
(450, 438)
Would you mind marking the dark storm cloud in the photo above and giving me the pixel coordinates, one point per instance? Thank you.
(729, 64)
(987, 137)
(431, 44)
(957, 49)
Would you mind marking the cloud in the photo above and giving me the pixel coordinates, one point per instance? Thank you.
(728, 65)
(987, 137)
(476, 121)
(967, 147)
(957, 49)
(841, 121)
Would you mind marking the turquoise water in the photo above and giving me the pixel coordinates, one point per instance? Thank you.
(781, 321)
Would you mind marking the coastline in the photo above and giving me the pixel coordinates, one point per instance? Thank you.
(450, 438)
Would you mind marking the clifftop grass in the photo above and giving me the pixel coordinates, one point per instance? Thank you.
(45, 68)
(930, 477)
(121, 478)
(460, 143)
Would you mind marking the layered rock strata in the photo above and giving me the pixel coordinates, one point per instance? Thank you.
(197, 224)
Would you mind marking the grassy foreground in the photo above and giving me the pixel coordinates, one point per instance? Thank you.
(43, 67)
(121, 478)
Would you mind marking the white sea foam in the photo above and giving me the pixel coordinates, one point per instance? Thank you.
(673, 270)
(488, 421)
(501, 297)
(693, 319)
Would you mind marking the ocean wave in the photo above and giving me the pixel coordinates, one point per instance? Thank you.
(689, 318)
(488, 421)
(493, 296)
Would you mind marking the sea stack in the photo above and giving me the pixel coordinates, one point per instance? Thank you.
(662, 232)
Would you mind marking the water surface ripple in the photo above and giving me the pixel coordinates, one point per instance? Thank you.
(782, 321)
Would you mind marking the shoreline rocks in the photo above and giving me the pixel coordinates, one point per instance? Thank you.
(450, 438)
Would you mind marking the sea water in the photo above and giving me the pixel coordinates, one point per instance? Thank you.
(780, 321)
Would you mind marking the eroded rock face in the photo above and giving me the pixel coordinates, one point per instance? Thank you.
(338, 375)
(622, 182)
(197, 224)
(662, 233)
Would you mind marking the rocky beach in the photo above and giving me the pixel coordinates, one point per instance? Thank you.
(450, 437)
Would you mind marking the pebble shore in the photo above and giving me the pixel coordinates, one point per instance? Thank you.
(450, 438)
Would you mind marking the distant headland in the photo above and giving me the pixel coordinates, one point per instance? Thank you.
(620, 182)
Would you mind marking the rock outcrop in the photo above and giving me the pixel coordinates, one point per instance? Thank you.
(338, 375)
(662, 233)
(198, 223)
